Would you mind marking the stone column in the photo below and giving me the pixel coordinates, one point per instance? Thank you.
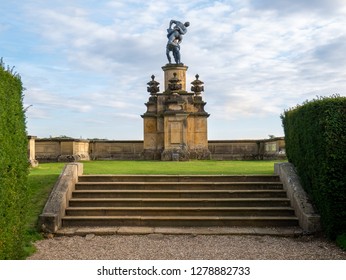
(31, 151)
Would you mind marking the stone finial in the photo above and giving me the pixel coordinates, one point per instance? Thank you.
(153, 86)
(174, 83)
(197, 86)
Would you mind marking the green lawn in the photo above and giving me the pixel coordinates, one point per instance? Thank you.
(207, 167)
(40, 181)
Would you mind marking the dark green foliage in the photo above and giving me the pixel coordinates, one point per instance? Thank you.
(315, 135)
(13, 165)
(341, 241)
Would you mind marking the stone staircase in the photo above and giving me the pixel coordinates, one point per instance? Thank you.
(179, 201)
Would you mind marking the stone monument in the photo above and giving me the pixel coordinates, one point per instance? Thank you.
(175, 123)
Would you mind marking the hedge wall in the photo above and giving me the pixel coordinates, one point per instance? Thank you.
(13, 165)
(315, 135)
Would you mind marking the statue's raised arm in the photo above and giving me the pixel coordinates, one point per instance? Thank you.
(175, 36)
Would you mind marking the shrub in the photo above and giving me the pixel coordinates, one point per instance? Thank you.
(13, 165)
(341, 241)
(315, 135)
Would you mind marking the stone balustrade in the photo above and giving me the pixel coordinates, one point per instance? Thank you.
(70, 150)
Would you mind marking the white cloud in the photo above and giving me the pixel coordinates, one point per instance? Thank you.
(300, 6)
(256, 58)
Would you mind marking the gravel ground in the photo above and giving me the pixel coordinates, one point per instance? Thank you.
(186, 247)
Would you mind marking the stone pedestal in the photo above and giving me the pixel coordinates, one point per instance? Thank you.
(175, 124)
(179, 69)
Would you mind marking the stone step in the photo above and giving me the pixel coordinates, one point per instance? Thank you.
(179, 202)
(294, 231)
(179, 178)
(179, 185)
(179, 211)
(178, 194)
(177, 221)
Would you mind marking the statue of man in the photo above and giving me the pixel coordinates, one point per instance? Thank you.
(175, 37)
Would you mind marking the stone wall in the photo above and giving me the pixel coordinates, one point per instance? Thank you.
(53, 150)
(309, 219)
(247, 149)
(121, 150)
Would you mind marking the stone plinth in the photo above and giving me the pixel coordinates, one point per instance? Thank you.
(175, 124)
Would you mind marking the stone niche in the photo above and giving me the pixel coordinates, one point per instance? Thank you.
(175, 123)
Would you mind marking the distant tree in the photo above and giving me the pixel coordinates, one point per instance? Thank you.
(64, 137)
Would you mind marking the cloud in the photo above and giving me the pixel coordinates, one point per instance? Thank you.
(332, 53)
(299, 6)
(95, 57)
(49, 101)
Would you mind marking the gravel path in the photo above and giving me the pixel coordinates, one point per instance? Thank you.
(186, 247)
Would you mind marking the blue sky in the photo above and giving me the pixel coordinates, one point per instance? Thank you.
(85, 63)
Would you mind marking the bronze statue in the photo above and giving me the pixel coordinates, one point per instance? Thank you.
(175, 36)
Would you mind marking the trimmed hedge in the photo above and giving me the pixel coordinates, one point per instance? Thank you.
(315, 135)
(13, 165)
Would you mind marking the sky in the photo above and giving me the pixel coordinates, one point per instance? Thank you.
(85, 64)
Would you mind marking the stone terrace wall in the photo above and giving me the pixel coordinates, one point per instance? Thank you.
(53, 150)
(121, 150)
(247, 149)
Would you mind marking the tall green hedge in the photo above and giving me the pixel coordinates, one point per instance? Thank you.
(315, 135)
(13, 165)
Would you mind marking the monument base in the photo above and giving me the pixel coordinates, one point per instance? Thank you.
(200, 154)
(175, 155)
(185, 154)
(149, 154)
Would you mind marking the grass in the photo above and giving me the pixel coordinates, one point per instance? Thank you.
(41, 180)
(208, 167)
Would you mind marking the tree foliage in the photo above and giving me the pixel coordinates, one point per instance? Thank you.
(13, 165)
